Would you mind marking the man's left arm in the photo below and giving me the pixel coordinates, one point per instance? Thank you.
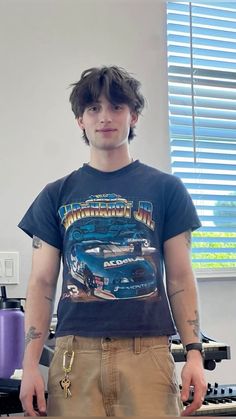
(183, 298)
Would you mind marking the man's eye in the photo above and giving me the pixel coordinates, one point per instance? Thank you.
(117, 107)
(93, 108)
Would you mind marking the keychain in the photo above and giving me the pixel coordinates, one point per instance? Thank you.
(65, 383)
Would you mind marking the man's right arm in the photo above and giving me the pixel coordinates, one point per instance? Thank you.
(38, 312)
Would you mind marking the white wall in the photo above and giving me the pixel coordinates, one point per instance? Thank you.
(44, 46)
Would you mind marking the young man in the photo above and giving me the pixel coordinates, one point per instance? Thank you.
(116, 223)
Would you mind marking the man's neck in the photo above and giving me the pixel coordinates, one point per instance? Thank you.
(109, 161)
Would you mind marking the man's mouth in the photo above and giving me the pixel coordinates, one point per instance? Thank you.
(106, 130)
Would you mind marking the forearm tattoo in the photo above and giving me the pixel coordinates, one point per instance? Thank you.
(176, 292)
(48, 298)
(195, 324)
(37, 242)
(31, 335)
(188, 239)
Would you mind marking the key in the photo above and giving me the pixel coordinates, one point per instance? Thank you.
(65, 384)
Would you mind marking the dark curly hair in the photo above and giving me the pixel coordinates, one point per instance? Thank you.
(118, 86)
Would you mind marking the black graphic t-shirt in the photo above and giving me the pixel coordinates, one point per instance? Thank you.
(110, 228)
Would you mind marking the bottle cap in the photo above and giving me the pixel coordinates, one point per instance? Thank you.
(9, 303)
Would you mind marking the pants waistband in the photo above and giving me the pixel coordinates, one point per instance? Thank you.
(71, 342)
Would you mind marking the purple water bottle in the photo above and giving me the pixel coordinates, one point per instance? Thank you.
(11, 336)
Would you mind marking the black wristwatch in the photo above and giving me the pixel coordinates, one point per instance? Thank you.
(197, 346)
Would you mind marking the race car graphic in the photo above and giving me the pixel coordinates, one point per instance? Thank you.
(100, 230)
(113, 271)
(114, 230)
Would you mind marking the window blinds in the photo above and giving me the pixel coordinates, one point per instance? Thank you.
(202, 120)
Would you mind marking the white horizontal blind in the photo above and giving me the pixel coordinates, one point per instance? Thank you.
(202, 120)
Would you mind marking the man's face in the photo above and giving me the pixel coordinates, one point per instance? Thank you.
(107, 125)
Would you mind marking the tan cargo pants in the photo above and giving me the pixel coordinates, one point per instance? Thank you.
(114, 377)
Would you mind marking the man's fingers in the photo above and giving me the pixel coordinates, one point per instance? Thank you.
(32, 394)
(41, 402)
(196, 403)
(27, 404)
(29, 411)
(185, 390)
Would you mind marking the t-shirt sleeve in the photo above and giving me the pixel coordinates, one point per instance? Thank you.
(41, 219)
(180, 213)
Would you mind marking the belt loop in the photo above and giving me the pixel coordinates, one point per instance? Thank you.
(70, 344)
(137, 345)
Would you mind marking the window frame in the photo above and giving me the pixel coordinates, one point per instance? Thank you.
(203, 272)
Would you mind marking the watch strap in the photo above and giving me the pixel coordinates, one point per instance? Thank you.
(197, 346)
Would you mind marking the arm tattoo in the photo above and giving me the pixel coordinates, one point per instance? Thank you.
(195, 324)
(37, 243)
(188, 238)
(48, 298)
(32, 334)
(177, 292)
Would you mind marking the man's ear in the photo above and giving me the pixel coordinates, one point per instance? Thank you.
(134, 118)
(80, 122)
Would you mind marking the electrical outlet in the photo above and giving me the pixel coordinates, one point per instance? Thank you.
(9, 268)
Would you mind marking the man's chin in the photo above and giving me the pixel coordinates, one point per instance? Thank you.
(107, 145)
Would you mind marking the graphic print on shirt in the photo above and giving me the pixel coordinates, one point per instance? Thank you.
(108, 251)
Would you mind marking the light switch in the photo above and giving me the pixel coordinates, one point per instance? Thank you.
(9, 268)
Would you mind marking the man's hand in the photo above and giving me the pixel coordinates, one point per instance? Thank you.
(193, 375)
(32, 384)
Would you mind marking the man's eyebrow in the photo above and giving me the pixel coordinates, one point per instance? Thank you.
(95, 102)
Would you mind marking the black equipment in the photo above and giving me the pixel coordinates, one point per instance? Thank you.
(220, 400)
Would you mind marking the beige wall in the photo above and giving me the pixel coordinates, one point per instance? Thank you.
(44, 46)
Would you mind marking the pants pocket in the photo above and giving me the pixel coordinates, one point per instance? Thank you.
(164, 363)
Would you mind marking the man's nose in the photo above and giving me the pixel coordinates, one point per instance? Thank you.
(105, 116)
